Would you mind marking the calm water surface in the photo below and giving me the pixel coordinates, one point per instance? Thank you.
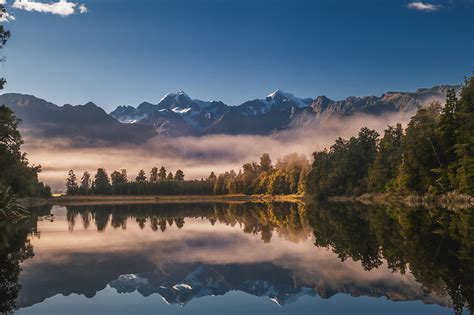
(278, 258)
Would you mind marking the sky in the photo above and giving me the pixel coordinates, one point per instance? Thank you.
(124, 52)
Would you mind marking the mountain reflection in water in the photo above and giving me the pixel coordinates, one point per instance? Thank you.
(183, 252)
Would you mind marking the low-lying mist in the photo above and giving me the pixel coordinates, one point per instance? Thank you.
(196, 156)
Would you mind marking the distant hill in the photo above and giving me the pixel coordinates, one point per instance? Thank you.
(84, 124)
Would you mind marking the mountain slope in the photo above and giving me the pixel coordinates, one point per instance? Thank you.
(84, 124)
(177, 114)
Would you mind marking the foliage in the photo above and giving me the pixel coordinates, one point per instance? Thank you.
(10, 208)
(433, 155)
(287, 176)
(345, 167)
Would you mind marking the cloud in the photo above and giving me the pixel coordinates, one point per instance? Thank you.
(197, 157)
(82, 8)
(62, 7)
(421, 6)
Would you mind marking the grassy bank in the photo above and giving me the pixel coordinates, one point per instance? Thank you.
(104, 200)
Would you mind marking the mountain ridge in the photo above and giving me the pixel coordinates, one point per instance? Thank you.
(177, 114)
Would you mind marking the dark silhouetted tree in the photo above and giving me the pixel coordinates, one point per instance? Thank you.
(101, 182)
(71, 183)
(179, 175)
(141, 176)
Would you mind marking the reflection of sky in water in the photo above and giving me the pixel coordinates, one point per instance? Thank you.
(85, 261)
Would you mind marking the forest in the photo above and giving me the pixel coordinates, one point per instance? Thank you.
(433, 155)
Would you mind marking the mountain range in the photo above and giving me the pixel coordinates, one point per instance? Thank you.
(177, 114)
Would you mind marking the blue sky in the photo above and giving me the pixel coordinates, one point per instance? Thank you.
(123, 52)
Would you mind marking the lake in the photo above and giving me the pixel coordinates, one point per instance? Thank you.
(238, 258)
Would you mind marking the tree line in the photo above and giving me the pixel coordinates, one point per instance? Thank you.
(287, 176)
(434, 154)
(159, 182)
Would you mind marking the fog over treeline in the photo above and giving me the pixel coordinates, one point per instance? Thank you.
(196, 156)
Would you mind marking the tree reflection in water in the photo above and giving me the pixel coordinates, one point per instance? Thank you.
(436, 245)
(15, 247)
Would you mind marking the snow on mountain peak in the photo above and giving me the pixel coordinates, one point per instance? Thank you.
(279, 95)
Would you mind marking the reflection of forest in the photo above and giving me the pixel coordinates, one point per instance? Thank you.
(434, 244)
(15, 247)
(286, 219)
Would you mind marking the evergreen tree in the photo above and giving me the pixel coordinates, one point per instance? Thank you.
(101, 184)
(154, 175)
(141, 176)
(179, 175)
(162, 173)
(212, 177)
(124, 175)
(71, 183)
(170, 176)
(85, 183)
(118, 178)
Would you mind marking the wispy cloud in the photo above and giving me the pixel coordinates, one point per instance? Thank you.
(61, 7)
(422, 6)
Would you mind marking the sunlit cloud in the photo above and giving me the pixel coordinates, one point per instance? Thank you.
(422, 6)
(62, 7)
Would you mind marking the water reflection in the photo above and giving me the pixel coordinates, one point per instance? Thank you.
(436, 244)
(282, 251)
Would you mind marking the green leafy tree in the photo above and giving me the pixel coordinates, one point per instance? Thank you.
(464, 147)
(265, 163)
(387, 160)
(15, 171)
(421, 153)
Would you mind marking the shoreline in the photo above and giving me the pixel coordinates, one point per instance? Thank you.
(113, 200)
(450, 201)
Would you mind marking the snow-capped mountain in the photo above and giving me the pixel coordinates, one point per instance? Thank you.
(179, 283)
(177, 114)
(276, 101)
